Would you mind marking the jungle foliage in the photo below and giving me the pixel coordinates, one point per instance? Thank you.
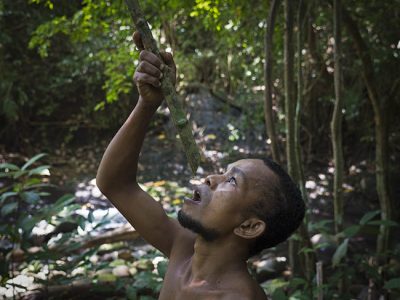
(66, 70)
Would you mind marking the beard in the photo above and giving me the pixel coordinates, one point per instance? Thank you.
(208, 234)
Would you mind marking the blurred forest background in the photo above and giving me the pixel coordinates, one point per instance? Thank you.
(312, 83)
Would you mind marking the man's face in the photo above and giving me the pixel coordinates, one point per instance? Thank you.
(217, 205)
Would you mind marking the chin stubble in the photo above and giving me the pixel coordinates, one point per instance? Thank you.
(209, 234)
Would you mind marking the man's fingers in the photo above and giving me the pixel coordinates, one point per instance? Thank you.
(144, 78)
(168, 59)
(151, 58)
(146, 67)
(138, 40)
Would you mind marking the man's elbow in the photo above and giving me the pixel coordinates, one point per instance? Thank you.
(110, 186)
(103, 184)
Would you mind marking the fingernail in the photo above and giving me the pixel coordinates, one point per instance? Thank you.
(162, 67)
(161, 75)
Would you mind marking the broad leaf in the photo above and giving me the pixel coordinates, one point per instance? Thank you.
(340, 253)
(351, 231)
(393, 284)
(65, 200)
(9, 166)
(369, 216)
(279, 295)
(29, 222)
(8, 208)
(33, 160)
(30, 197)
(384, 223)
(4, 196)
(41, 170)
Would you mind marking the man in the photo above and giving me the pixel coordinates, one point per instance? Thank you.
(232, 216)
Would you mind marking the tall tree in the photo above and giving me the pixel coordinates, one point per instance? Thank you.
(268, 113)
(289, 116)
(336, 123)
(309, 259)
(300, 97)
(381, 135)
(336, 127)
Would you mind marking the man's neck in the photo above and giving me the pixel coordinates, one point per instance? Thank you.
(212, 260)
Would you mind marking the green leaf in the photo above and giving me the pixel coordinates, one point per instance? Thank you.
(8, 208)
(296, 282)
(384, 223)
(351, 231)
(340, 252)
(369, 216)
(19, 173)
(162, 268)
(306, 250)
(29, 222)
(90, 217)
(131, 293)
(32, 181)
(9, 166)
(321, 224)
(33, 160)
(4, 196)
(393, 283)
(296, 237)
(38, 170)
(65, 200)
(279, 295)
(30, 197)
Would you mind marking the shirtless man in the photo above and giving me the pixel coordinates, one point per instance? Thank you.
(252, 206)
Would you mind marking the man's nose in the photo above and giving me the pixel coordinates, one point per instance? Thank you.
(213, 180)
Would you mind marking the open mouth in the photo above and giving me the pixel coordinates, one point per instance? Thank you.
(196, 197)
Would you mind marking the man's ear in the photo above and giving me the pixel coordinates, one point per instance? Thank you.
(250, 228)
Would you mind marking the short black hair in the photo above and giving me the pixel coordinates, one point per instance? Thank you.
(285, 214)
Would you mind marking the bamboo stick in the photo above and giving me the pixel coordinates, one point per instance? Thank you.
(178, 115)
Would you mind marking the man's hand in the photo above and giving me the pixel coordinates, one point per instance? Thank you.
(149, 73)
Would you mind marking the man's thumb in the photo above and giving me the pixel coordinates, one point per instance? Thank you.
(167, 58)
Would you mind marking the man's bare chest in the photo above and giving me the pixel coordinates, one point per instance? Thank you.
(177, 286)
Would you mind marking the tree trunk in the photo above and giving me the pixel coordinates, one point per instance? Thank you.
(336, 123)
(309, 259)
(289, 118)
(268, 113)
(336, 128)
(381, 136)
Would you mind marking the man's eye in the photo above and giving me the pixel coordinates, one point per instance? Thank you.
(232, 180)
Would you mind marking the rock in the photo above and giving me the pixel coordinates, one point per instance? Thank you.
(121, 271)
(107, 277)
(125, 255)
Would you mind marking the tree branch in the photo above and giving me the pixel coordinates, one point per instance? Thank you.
(178, 115)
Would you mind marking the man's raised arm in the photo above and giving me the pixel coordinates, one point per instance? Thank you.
(116, 176)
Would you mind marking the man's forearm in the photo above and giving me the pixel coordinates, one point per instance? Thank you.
(118, 167)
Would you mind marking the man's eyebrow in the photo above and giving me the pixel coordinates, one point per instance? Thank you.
(238, 171)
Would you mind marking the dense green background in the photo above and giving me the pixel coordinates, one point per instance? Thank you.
(66, 86)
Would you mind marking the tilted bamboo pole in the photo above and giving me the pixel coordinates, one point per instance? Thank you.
(178, 115)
